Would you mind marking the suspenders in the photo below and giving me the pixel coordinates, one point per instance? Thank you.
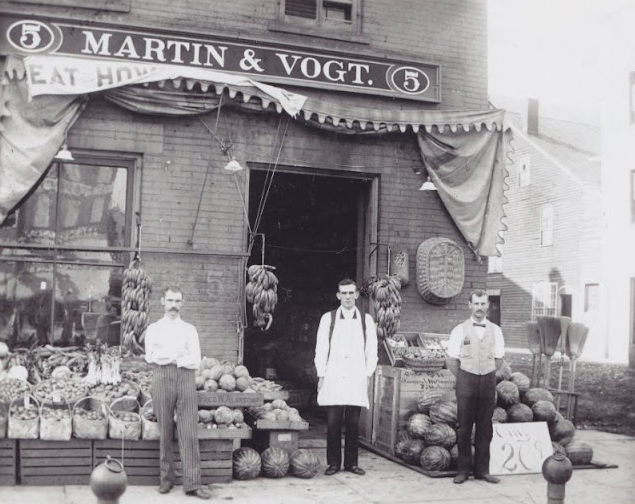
(333, 317)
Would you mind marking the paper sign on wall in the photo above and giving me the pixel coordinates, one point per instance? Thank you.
(519, 448)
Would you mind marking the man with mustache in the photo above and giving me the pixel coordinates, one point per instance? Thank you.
(475, 351)
(173, 347)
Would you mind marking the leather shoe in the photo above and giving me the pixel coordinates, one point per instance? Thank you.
(356, 470)
(487, 477)
(460, 478)
(201, 493)
(331, 470)
(165, 488)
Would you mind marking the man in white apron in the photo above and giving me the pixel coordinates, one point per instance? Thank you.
(345, 357)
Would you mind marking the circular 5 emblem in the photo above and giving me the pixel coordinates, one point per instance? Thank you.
(30, 36)
(409, 80)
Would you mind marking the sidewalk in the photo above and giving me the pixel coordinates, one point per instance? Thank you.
(385, 482)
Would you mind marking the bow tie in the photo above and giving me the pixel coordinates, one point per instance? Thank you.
(477, 324)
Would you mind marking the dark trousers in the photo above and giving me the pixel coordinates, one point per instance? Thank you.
(174, 390)
(475, 395)
(336, 415)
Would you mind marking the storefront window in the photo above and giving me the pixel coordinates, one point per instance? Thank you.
(64, 252)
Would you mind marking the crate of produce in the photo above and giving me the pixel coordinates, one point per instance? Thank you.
(141, 460)
(395, 347)
(8, 460)
(270, 424)
(55, 462)
(231, 399)
(397, 391)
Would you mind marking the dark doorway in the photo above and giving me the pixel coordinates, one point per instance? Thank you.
(312, 235)
(566, 302)
(494, 314)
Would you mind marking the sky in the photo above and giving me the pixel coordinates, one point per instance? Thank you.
(556, 51)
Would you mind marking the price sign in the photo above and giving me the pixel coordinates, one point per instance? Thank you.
(519, 448)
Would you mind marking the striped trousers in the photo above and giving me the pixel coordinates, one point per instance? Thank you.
(174, 390)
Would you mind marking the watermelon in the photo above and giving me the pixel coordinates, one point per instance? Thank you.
(440, 435)
(246, 463)
(544, 411)
(275, 462)
(417, 425)
(521, 380)
(508, 394)
(519, 412)
(562, 431)
(579, 452)
(499, 416)
(444, 412)
(411, 451)
(427, 398)
(504, 372)
(304, 464)
(537, 394)
(435, 458)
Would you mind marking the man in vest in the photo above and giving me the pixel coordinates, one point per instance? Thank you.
(345, 357)
(475, 351)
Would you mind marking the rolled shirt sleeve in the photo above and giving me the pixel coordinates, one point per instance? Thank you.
(371, 346)
(322, 345)
(499, 343)
(454, 342)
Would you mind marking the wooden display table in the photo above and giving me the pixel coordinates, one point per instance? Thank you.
(8, 456)
(276, 433)
(56, 462)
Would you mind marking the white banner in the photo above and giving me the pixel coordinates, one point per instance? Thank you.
(63, 75)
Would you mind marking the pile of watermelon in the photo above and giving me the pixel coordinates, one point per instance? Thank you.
(274, 462)
(430, 436)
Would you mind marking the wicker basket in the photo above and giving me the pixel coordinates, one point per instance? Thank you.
(56, 428)
(90, 428)
(424, 365)
(60, 397)
(24, 429)
(126, 403)
(120, 429)
(440, 270)
(149, 429)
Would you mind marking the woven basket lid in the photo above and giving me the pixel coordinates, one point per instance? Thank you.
(440, 270)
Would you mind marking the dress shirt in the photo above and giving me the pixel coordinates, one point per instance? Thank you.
(170, 341)
(457, 336)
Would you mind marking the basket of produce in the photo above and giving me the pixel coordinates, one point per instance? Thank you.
(127, 391)
(143, 379)
(10, 388)
(24, 418)
(60, 391)
(149, 423)
(123, 424)
(55, 422)
(4, 418)
(424, 364)
(90, 418)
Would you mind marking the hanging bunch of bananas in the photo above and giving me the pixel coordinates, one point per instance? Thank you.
(135, 306)
(386, 294)
(262, 292)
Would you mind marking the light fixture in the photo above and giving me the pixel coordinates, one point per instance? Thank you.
(64, 154)
(233, 165)
(428, 185)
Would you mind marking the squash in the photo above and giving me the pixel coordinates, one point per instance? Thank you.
(562, 431)
(519, 412)
(507, 394)
(504, 372)
(521, 380)
(537, 394)
(579, 452)
(499, 415)
(544, 411)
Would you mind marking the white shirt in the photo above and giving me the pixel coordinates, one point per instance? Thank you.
(173, 340)
(457, 335)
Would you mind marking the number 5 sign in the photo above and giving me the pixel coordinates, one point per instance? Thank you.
(519, 448)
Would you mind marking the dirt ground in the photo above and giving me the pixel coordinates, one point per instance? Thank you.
(606, 399)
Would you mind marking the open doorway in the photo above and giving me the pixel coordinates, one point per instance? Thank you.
(318, 230)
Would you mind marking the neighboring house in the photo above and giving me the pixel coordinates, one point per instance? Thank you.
(550, 263)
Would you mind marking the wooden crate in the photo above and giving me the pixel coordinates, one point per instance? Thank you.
(141, 460)
(410, 339)
(287, 439)
(229, 399)
(8, 460)
(262, 424)
(55, 462)
(396, 393)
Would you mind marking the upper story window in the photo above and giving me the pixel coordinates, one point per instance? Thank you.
(546, 225)
(326, 18)
(524, 171)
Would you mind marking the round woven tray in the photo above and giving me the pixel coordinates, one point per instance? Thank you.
(424, 365)
(440, 270)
